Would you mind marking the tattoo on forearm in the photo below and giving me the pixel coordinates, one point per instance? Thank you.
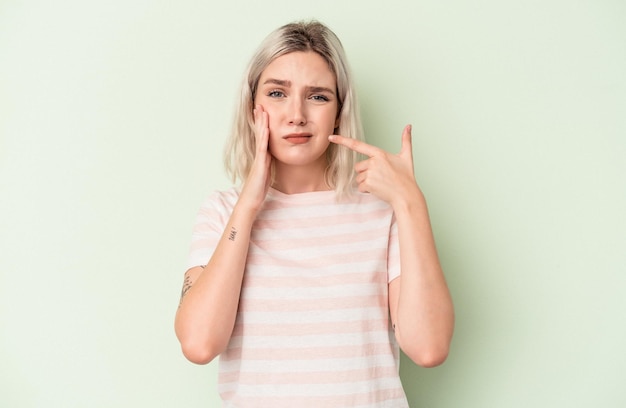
(233, 234)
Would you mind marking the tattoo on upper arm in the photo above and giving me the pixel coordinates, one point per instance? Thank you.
(233, 234)
(186, 286)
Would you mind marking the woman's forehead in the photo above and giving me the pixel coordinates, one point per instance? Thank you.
(299, 68)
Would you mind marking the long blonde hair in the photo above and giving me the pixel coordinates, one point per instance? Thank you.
(299, 36)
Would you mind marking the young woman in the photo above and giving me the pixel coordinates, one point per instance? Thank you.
(307, 277)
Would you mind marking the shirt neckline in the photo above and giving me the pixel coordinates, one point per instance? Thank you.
(306, 196)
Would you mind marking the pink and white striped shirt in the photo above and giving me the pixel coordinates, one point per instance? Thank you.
(313, 327)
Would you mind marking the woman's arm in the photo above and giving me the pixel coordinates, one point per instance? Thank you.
(419, 300)
(210, 296)
(209, 300)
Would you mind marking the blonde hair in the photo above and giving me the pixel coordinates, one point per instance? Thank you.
(299, 36)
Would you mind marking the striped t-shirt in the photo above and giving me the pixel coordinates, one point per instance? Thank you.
(313, 326)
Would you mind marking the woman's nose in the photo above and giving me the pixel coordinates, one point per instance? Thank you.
(297, 114)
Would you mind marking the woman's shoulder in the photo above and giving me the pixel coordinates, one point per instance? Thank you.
(222, 199)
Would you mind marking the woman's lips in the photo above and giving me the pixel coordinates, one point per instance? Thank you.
(298, 138)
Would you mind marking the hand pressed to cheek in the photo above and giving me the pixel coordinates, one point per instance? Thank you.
(258, 179)
(261, 126)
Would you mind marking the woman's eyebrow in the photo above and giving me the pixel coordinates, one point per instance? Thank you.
(320, 89)
(280, 82)
(287, 84)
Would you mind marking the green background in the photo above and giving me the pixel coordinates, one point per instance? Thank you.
(113, 116)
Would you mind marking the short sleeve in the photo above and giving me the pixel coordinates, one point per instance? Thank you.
(209, 225)
(393, 253)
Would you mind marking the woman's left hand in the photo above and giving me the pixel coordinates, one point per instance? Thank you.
(387, 176)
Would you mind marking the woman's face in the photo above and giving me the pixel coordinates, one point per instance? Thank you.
(298, 91)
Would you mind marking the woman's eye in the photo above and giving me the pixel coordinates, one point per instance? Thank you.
(275, 94)
(320, 98)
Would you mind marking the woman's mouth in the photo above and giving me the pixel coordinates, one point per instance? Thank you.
(298, 138)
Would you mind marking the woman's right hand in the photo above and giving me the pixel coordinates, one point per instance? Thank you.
(258, 181)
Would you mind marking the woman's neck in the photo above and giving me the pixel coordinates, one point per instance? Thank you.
(299, 179)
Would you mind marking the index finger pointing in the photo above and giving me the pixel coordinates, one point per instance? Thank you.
(356, 145)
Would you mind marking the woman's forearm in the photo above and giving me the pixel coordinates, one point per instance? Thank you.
(424, 312)
(210, 298)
